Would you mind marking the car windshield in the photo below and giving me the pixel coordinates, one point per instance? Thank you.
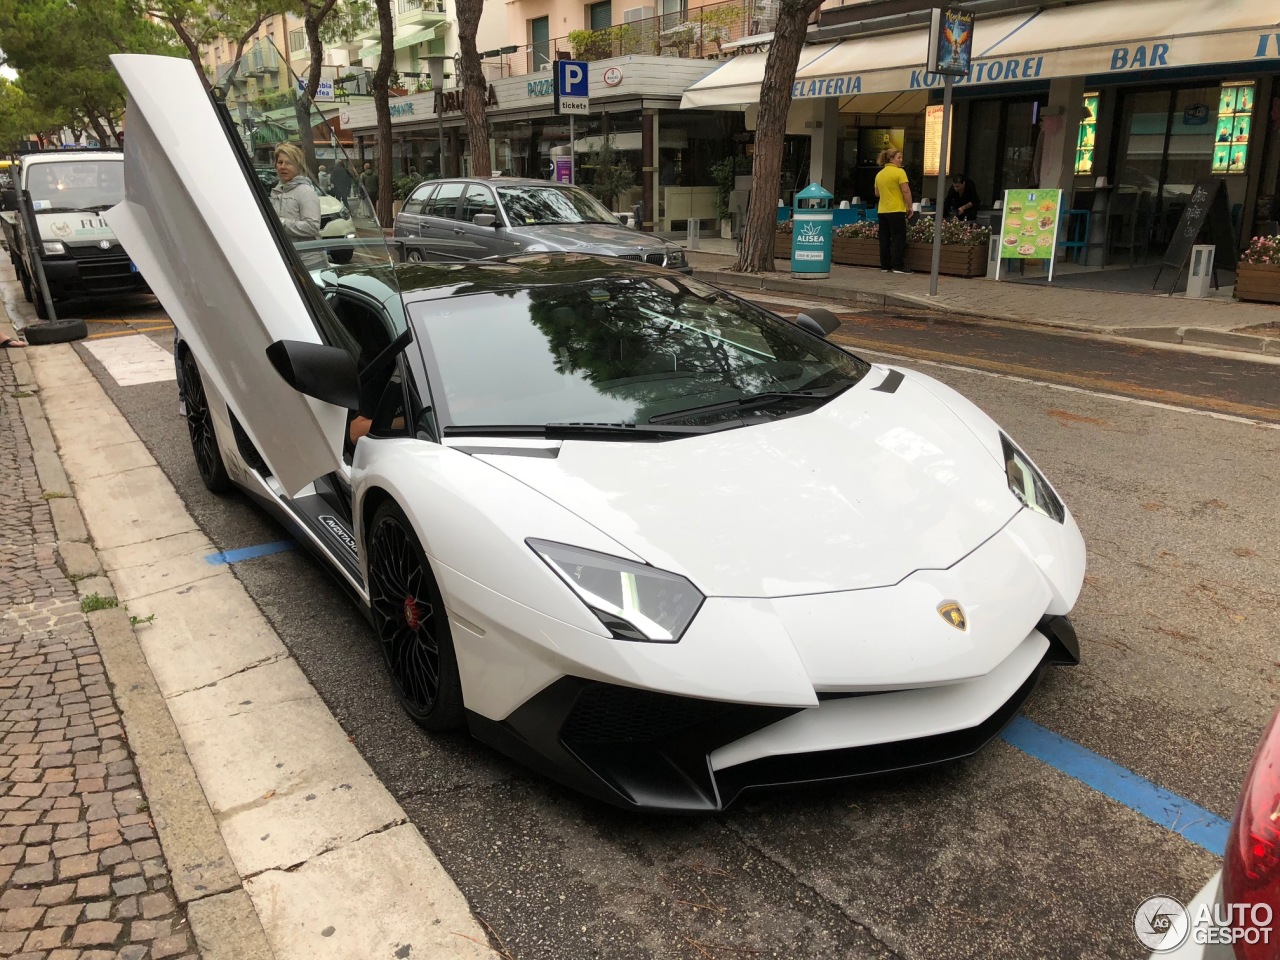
(621, 351)
(92, 185)
(534, 205)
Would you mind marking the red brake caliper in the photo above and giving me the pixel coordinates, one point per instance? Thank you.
(411, 615)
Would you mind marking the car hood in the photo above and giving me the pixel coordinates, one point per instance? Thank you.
(858, 493)
(599, 237)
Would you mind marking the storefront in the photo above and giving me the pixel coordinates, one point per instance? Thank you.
(1151, 95)
(635, 123)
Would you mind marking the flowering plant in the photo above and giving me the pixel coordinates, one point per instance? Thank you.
(786, 226)
(1262, 250)
(862, 230)
(964, 233)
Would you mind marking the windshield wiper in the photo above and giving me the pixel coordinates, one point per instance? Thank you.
(819, 396)
(575, 431)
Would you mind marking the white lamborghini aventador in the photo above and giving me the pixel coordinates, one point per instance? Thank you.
(635, 532)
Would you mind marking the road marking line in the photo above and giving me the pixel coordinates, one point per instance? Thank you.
(1139, 794)
(125, 333)
(1068, 388)
(249, 553)
(132, 359)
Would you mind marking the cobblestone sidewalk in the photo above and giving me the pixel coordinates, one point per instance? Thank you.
(82, 876)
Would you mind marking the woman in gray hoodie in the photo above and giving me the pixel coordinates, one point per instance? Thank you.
(295, 201)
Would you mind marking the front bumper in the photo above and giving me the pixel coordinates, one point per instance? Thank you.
(638, 749)
(89, 272)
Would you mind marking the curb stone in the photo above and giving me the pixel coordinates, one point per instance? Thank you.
(1190, 336)
(204, 880)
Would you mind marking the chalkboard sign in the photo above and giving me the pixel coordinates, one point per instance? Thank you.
(1207, 208)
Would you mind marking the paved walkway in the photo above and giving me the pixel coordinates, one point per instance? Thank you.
(172, 785)
(1211, 322)
(82, 875)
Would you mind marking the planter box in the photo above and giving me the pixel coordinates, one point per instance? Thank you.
(1258, 281)
(856, 252)
(956, 261)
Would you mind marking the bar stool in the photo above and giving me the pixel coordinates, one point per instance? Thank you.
(1075, 233)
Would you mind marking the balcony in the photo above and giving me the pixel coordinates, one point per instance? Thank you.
(700, 33)
(420, 12)
(261, 59)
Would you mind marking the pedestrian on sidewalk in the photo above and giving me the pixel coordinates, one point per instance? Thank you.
(341, 181)
(961, 202)
(893, 206)
(369, 183)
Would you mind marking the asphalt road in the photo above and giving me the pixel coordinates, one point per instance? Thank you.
(1000, 856)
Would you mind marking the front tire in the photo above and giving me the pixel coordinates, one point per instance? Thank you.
(409, 616)
(204, 442)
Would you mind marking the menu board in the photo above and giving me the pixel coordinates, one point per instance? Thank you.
(1235, 124)
(1085, 138)
(932, 139)
(1029, 230)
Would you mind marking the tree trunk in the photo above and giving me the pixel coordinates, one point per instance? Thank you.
(756, 255)
(382, 107)
(474, 87)
(193, 48)
(99, 130)
(314, 16)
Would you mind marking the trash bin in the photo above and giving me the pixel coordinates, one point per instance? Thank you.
(811, 233)
(1201, 270)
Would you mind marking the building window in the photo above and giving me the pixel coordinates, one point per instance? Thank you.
(407, 6)
(600, 15)
(540, 42)
(297, 40)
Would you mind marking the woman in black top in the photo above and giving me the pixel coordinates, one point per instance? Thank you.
(961, 202)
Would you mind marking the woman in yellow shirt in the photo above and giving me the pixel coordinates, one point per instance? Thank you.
(893, 195)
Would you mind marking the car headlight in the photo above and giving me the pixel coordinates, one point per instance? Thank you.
(633, 600)
(675, 257)
(1028, 484)
(54, 248)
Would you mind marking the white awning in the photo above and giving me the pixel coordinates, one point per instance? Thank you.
(737, 81)
(1111, 37)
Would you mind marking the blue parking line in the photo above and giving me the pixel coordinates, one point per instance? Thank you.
(248, 553)
(1158, 805)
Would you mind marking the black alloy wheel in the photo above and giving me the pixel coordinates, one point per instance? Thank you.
(408, 613)
(414, 256)
(204, 442)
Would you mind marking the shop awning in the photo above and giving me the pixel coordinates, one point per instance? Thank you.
(1111, 37)
(408, 40)
(737, 81)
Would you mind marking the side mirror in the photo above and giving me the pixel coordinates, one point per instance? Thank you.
(326, 373)
(485, 220)
(818, 321)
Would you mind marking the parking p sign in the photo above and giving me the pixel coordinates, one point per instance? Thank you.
(571, 95)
